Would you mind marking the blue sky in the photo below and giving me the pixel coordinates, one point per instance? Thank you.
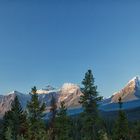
(56, 41)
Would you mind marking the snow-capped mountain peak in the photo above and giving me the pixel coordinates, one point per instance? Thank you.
(14, 92)
(69, 88)
(69, 93)
(136, 78)
(134, 83)
(130, 92)
(48, 89)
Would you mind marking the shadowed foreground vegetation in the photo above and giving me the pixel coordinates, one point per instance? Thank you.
(29, 124)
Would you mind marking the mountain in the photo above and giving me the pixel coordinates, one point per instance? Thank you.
(130, 92)
(69, 93)
(6, 100)
(130, 95)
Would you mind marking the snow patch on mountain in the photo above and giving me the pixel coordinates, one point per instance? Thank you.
(130, 95)
(48, 89)
(69, 93)
(69, 88)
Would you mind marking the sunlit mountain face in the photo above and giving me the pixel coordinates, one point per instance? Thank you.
(70, 94)
(130, 96)
(130, 92)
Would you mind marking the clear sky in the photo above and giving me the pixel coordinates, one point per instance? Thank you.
(56, 41)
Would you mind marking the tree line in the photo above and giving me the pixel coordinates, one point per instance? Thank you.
(30, 123)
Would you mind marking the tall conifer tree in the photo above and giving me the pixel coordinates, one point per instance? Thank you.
(89, 101)
(35, 111)
(53, 112)
(121, 130)
(62, 124)
(15, 120)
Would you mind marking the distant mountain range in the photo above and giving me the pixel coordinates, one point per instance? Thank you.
(70, 94)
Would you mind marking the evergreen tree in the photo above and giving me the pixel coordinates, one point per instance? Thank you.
(103, 135)
(35, 114)
(136, 131)
(53, 112)
(21, 138)
(89, 101)
(14, 120)
(7, 123)
(76, 125)
(8, 134)
(121, 130)
(62, 124)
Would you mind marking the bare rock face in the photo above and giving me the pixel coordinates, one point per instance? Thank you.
(129, 93)
(69, 93)
(5, 103)
(6, 100)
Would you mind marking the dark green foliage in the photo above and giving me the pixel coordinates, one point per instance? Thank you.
(135, 132)
(35, 114)
(30, 125)
(121, 128)
(8, 134)
(14, 121)
(53, 112)
(102, 135)
(35, 108)
(62, 124)
(108, 126)
(76, 128)
(90, 95)
(62, 110)
(89, 101)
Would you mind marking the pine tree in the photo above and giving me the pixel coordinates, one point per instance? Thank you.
(136, 131)
(76, 125)
(62, 124)
(7, 123)
(121, 130)
(8, 134)
(89, 101)
(35, 111)
(14, 120)
(17, 116)
(53, 112)
(21, 138)
(103, 135)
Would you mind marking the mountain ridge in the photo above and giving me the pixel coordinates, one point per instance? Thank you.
(70, 93)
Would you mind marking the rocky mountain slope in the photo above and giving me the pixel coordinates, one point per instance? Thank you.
(69, 93)
(130, 95)
(130, 92)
